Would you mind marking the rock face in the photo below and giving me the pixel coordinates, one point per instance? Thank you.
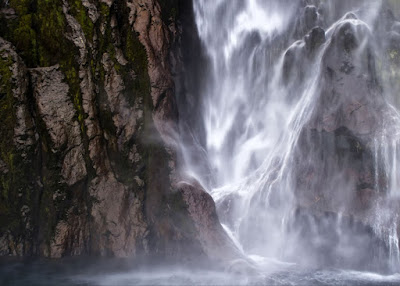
(338, 180)
(201, 208)
(57, 111)
(90, 128)
(346, 117)
(332, 168)
(88, 149)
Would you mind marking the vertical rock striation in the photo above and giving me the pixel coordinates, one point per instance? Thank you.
(89, 135)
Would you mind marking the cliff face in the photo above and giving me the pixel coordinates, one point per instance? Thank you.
(88, 148)
(331, 176)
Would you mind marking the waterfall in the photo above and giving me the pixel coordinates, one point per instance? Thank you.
(302, 133)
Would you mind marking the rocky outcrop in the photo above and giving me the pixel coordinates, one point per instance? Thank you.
(88, 161)
(156, 37)
(18, 142)
(344, 137)
(56, 109)
(340, 180)
(339, 138)
(213, 238)
(328, 239)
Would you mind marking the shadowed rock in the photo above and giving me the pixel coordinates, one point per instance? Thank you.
(201, 207)
(95, 121)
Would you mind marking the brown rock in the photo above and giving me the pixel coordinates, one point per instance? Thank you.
(118, 219)
(201, 207)
(58, 114)
(145, 17)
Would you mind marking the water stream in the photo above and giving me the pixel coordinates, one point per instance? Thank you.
(303, 142)
(291, 112)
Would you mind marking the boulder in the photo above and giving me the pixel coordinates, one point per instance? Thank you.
(201, 208)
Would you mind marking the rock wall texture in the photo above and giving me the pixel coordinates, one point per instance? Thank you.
(89, 130)
(341, 186)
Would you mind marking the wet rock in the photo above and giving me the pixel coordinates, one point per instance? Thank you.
(108, 2)
(125, 118)
(201, 207)
(227, 208)
(92, 10)
(118, 219)
(24, 136)
(339, 139)
(320, 154)
(396, 27)
(315, 38)
(293, 58)
(8, 13)
(58, 114)
(146, 20)
(335, 240)
(394, 39)
(18, 140)
(350, 96)
(241, 267)
(75, 34)
(74, 168)
(3, 167)
(105, 159)
(300, 55)
(310, 17)
(54, 104)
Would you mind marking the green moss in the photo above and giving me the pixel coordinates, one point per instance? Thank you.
(51, 25)
(137, 90)
(137, 57)
(22, 7)
(39, 36)
(80, 13)
(54, 200)
(169, 10)
(72, 78)
(7, 112)
(14, 184)
(104, 11)
(25, 37)
(39, 33)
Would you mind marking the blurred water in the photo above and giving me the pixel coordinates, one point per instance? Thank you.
(110, 272)
(254, 119)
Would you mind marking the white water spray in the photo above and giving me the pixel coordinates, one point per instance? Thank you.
(257, 108)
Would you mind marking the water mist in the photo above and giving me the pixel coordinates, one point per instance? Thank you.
(302, 132)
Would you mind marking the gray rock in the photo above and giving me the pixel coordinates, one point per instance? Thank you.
(348, 99)
(118, 218)
(24, 136)
(343, 127)
(74, 168)
(146, 20)
(125, 118)
(315, 38)
(58, 114)
(92, 10)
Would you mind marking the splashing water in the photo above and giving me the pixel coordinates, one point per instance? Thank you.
(302, 141)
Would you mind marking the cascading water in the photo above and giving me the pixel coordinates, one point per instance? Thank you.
(301, 136)
(297, 139)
